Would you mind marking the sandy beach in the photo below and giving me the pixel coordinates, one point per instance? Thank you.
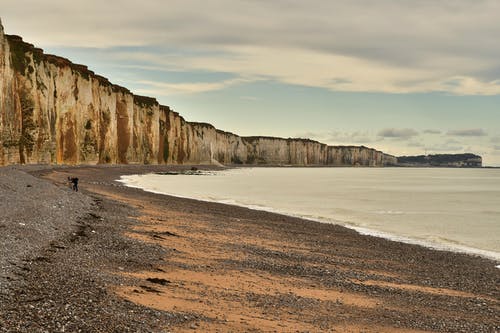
(115, 259)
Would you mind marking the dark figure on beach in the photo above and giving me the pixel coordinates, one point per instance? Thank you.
(74, 181)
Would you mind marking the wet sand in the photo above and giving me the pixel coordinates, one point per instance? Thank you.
(183, 265)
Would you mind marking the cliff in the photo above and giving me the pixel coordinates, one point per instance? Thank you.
(442, 160)
(57, 112)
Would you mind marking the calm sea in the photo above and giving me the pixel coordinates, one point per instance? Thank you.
(452, 209)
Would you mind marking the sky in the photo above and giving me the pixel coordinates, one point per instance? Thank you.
(402, 76)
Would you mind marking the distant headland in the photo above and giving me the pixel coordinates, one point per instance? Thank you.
(442, 160)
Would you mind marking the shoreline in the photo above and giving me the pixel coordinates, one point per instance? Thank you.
(454, 247)
(154, 263)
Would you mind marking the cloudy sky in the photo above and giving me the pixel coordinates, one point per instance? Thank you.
(402, 76)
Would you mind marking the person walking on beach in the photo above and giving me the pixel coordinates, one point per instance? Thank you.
(74, 181)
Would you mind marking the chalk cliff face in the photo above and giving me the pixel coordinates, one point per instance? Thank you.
(54, 111)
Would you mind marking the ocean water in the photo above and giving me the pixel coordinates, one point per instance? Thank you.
(443, 208)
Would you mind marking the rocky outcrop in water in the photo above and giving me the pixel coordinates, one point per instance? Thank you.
(54, 111)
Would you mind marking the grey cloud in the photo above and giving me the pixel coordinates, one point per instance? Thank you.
(401, 133)
(496, 147)
(344, 137)
(443, 148)
(340, 81)
(452, 142)
(467, 132)
(495, 139)
(415, 144)
(312, 135)
(490, 73)
(431, 131)
(448, 38)
(360, 28)
(339, 137)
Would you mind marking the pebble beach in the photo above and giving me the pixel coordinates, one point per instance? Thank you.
(115, 259)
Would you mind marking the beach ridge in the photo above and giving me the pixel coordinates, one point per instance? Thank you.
(141, 261)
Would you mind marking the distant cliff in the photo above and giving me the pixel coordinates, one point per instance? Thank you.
(442, 160)
(54, 111)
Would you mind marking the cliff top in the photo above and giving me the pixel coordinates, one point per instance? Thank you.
(19, 48)
(255, 138)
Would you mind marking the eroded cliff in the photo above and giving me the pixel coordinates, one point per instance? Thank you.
(54, 111)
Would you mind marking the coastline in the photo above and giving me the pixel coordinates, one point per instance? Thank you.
(226, 268)
(451, 245)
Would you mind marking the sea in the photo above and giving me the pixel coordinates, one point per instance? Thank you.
(450, 209)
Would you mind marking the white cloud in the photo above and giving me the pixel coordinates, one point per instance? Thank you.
(314, 69)
(155, 88)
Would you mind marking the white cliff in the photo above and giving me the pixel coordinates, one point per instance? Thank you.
(53, 111)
